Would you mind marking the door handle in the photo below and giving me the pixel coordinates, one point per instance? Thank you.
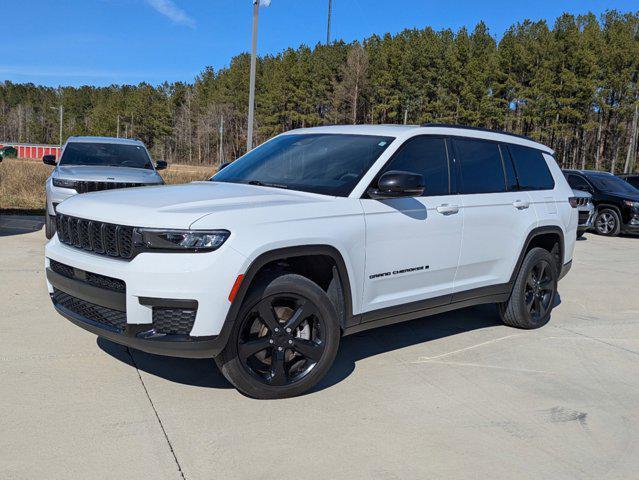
(520, 205)
(446, 209)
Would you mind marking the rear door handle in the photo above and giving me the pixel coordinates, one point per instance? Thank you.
(447, 209)
(520, 205)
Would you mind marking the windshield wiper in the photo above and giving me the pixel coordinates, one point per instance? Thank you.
(266, 184)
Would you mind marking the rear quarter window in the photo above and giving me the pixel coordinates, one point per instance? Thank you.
(531, 168)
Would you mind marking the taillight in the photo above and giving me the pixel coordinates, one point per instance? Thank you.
(574, 201)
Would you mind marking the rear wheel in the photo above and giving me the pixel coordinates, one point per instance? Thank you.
(533, 295)
(284, 339)
(49, 225)
(607, 223)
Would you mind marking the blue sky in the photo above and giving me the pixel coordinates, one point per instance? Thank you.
(100, 42)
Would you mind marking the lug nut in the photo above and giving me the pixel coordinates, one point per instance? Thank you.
(270, 341)
(288, 330)
(277, 329)
(290, 342)
(279, 349)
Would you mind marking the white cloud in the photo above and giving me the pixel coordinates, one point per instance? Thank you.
(174, 13)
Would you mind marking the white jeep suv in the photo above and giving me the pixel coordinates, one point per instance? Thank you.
(315, 234)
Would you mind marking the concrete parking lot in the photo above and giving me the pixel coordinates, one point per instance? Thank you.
(452, 396)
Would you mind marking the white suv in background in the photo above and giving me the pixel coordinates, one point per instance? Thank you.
(91, 164)
(315, 234)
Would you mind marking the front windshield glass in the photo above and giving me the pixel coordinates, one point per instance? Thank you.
(610, 183)
(330, 164)
(105, 155)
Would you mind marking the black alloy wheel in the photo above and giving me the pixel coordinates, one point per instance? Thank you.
(539, 290)
(281, 339)
(284, 339)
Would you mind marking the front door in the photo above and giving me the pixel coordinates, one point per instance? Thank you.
(412, 244)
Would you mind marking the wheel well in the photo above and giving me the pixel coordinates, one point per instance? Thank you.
(321, 269)
(551, 241)
(603, 206)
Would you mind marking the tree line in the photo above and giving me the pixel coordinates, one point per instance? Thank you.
(573, 86)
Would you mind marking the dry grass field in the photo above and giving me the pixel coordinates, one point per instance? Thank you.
(22, 182)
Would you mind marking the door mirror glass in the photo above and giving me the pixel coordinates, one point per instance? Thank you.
(49, 160)
(398, 184)
(223, 165)
(161, 165)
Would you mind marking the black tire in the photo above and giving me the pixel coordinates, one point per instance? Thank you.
(49, 225)
(533, 295)
(302, 354)
(607, 222)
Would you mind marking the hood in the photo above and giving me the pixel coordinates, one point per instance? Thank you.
(633, 197)
(178, 206)
(581, 194)
(103, 174)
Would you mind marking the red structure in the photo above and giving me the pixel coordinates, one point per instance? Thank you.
(32, 150)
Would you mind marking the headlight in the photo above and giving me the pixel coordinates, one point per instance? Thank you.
(61, 182)
(180, 240)
(631, 204)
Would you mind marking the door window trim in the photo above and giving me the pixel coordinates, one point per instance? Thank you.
(452, 175)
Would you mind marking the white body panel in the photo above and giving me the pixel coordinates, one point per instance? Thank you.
(474, 247)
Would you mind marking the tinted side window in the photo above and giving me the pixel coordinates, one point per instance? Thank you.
(531, 168)
(427, 156)
(481, 167)
(577, 182)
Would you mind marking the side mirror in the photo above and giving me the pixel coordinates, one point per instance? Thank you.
(398, 184)
(49, 160)
(161, 165)
(223, 165)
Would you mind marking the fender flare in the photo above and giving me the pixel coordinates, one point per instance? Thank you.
(287, 252)
(536, 232)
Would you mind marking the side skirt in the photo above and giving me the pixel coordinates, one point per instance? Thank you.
(431, 306)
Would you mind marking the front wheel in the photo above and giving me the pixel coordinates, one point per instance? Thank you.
(284, 340)
(607, 223)
(533, 295)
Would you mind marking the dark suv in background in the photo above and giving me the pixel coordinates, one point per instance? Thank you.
(616, 201)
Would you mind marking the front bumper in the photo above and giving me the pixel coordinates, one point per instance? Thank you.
(586, 217)
(152, 280)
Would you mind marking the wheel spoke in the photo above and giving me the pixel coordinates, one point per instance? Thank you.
(250, 348)
(278, 371)
(546, 284)
(542, 270)
(531, 281)
(267, 314)
(537, 305)
(308, 349)
(305, 310)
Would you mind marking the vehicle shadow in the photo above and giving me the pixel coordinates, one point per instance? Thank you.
(353, 348)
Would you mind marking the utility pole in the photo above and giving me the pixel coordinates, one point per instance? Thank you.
(251, 112)
(220, 155)
(328, 27)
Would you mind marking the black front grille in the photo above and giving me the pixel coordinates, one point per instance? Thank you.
(95, 279)
(109, 318)
(173, 321)
(86, 186)
(98, 237)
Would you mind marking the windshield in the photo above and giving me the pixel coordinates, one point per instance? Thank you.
(105, 154)
(330, 164)
(610, 183)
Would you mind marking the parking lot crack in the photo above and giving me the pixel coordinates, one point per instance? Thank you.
(599, 340)
(157, 416)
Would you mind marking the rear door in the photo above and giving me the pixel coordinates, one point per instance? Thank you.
(412, 244)
(497, 217)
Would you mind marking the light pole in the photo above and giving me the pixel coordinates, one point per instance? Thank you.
(251, 111)
(328, 26)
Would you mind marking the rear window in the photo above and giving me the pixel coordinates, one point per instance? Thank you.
(481, 166)
(531, 168)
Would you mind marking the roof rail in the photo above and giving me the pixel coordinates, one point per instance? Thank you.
(480, 129)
